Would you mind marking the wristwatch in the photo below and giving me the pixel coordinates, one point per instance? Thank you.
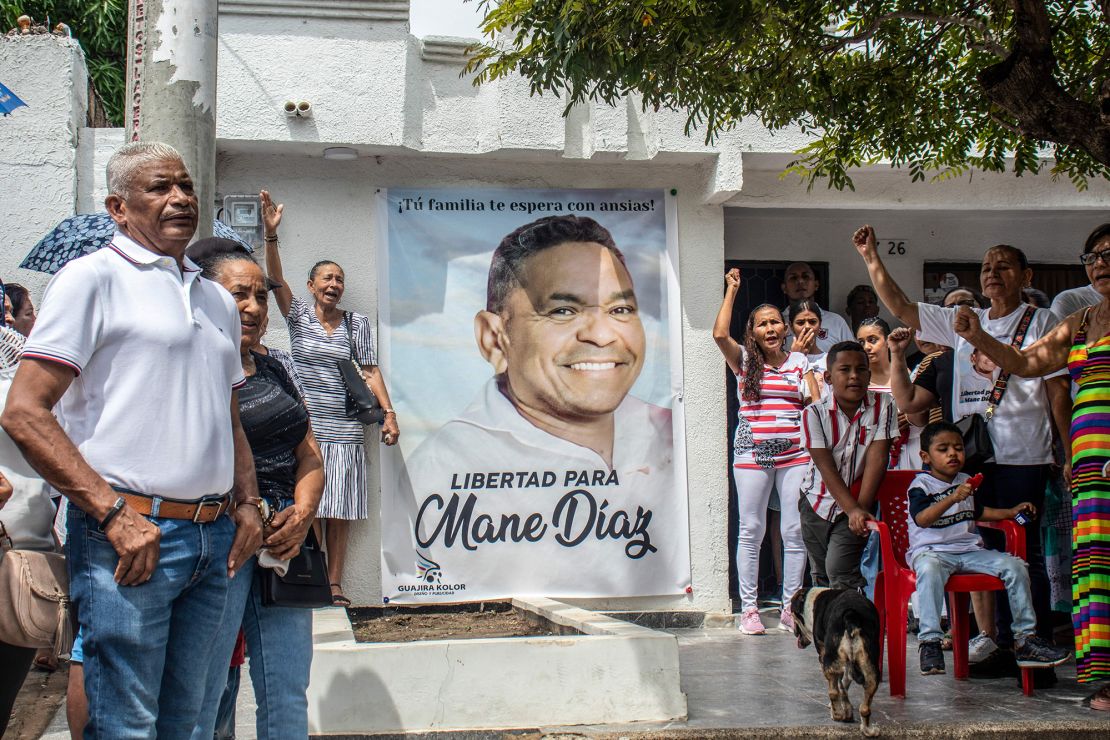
(264, 509)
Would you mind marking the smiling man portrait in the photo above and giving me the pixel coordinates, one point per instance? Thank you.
(562, 332)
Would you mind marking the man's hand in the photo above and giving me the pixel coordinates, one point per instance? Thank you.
(732, 278)
(248, 536)
(1025, 506)
(858, 519)
(6, 490)
(899, 340)
(966, 323)
(287, 532)
(390, 431)
(137, 542)
(864, 242)
(271, 214)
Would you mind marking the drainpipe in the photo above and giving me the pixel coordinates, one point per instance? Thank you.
(171, 86)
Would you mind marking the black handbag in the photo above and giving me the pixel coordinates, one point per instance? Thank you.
(978, 447)
(305, 583)
(362, 404)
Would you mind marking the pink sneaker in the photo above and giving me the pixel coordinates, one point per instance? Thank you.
(750, 623)
(786, 620)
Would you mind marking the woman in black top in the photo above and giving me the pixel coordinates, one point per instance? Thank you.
(290, 474)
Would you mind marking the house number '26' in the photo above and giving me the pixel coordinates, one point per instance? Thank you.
(896, 246)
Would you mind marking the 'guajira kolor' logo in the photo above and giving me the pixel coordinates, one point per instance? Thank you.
(430, 577)
(427, 570)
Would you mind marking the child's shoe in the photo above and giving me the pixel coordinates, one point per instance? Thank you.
(750, 623)
(1036, 653)
(931, 656)
(980, 648)
(786, 620)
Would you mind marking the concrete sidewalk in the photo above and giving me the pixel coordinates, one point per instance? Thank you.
(742, 686)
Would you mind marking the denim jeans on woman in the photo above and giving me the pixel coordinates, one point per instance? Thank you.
(279, 653)
(155, 652)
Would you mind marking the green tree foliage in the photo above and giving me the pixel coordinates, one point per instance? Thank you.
(100, 26)
(940, 87)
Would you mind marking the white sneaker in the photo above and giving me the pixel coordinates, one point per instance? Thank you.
(979, 648)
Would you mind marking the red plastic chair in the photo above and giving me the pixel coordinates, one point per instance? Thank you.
(897, 581)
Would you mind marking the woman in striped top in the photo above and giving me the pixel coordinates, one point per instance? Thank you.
(773, 387)
(318, 336)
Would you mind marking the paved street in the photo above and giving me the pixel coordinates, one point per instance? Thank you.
(756, 687)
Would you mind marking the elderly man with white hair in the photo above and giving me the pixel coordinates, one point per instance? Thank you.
(141, 355)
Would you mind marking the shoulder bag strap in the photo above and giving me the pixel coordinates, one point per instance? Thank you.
(1081, 333)
(1004, 377)
(350, 337)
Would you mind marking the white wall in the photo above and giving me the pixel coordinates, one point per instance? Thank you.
(38, 145)
(329, 212)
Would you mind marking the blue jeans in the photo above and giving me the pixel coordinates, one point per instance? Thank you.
(154, 653)
(279, 652)
(934, 568)
(225, 716)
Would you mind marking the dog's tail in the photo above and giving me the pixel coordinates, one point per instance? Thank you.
(863, 645)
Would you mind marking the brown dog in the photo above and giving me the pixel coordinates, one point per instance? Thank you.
(844, 626)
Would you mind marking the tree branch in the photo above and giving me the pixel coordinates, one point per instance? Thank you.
(988, 44)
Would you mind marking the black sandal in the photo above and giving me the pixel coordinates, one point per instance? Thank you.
(339, 599)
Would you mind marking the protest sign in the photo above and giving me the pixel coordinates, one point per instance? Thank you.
(539, 384)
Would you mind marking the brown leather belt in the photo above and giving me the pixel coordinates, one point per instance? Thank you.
(203, 511)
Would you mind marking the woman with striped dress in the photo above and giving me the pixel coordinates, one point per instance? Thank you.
(318, 336)
(774, 385)
(1082, 342)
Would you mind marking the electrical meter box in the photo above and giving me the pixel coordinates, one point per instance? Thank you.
(243, 213)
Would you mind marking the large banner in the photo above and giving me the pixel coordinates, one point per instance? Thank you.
(530, 340)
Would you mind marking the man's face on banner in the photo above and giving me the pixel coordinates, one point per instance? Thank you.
(570, 340)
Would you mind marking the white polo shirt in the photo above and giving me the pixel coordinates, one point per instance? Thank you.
(156, 352)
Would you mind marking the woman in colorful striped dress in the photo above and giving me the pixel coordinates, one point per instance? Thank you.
(1082, 341)
(773, 387)
(321, 335)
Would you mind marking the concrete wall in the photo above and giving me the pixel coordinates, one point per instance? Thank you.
(38, 145)
(329, 212)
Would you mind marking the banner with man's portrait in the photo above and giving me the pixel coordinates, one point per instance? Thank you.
(531, 343)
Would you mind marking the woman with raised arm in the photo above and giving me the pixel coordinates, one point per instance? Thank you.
(1082, 343)
(321, 335)
(773, 386)
(1015, 411)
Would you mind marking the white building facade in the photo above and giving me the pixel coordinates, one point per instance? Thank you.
(399, 101)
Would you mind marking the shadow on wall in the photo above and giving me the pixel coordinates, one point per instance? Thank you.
(355, 701)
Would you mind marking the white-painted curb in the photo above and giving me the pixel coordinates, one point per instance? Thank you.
(613, 672)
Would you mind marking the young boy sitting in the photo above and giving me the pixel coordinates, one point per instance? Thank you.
(848, 436)
(944, 541)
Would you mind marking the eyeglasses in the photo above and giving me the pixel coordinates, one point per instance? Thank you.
(970, 302)
(1091, 258)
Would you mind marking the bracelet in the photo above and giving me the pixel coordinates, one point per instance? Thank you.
(117, 507)
(270, 238)
(387, 412)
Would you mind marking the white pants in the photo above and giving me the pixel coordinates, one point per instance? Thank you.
(753, 491)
